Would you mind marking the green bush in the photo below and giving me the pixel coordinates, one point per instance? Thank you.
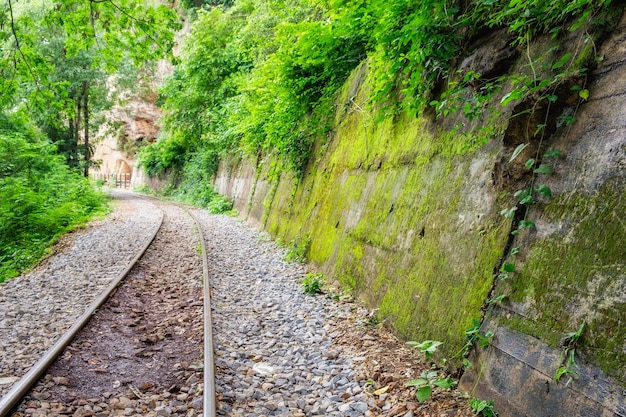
(40, 197)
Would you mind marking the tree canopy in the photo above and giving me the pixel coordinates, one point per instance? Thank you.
(260, 77)
(61, 63)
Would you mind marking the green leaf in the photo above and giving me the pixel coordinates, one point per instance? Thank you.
(562, 370)
(515, 250)
(445, 383)
(562, 61)
(516, 94)
(540, 127)
(427, 347)
(544, 190)
(527, 199)
(556, 153)
(580, 21)
(543, 169)
(508, 267)
(526, 224)
(430, 374)
(497, 299)
(584, 94)
(518, 151)
(424, 393)
(502, 277)
(554, 32)
(509, 213)
(530, 163)
(417, 382)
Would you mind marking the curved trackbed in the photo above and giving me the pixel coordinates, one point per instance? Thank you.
(144, 343)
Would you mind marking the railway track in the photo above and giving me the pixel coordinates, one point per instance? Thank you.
(148, 342)
(277, 351)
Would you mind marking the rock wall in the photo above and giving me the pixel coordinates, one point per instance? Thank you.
(409, 219)
(573, 270)
(115, 149)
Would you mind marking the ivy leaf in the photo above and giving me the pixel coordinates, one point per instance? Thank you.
(445, 383)
(515, 250)
(518, 151)
(543, 169)
(417, 382)
(544, 190)
(508, 267)
(584, 94)
(527, 199)
(526, 224)
(530, 163)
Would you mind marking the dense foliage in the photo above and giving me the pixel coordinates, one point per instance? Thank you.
(64, 62)
(61, 64)
(40, 197)
(260, 77)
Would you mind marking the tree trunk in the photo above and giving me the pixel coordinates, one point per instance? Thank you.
(76, 128)
(86, 125)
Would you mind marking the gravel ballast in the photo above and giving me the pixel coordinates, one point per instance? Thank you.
(278, 350)
(36, 308)
(273, 347)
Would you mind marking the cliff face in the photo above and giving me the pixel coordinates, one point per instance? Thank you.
(410, 219)
(129, 127)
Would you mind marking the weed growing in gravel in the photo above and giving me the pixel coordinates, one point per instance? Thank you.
(313, 283)
(219, 205)
(430, 378)
(143, 189)
(298, 249)
(427, 381)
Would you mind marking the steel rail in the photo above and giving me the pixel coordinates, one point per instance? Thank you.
(208, 396)
(32, 376)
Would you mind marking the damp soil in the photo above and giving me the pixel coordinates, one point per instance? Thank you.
(148, 336)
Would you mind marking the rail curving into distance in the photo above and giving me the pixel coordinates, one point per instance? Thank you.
(209, 403)
(20, 389)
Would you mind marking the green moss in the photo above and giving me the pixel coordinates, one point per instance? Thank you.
(392, 213)
(534, 329)
(580, 276)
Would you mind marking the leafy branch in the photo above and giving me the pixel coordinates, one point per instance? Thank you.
(18, 47)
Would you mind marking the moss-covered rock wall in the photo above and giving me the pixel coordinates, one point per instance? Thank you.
(410, 220)
(405, 219)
